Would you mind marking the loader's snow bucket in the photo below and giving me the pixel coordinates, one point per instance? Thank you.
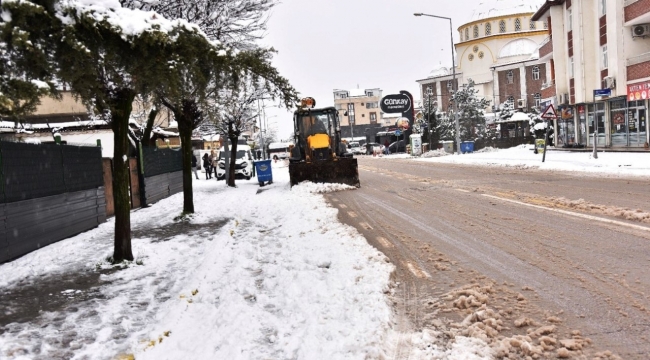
(339, 171)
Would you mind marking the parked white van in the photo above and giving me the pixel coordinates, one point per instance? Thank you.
(243, 163)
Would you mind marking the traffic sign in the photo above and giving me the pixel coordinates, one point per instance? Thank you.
(549, 113)
(398, 132)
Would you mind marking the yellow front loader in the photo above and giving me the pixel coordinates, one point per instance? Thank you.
(318, 154)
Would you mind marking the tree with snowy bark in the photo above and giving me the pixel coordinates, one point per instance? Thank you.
(471, 110)
(234, 24)
(107, 55)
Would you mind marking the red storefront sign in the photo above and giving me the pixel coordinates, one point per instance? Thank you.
(638, 91)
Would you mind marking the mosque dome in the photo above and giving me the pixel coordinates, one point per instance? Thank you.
(518, 47)
(493, 8)
(439, 71)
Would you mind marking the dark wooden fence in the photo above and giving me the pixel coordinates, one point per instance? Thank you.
(48, 193)
(162, 173)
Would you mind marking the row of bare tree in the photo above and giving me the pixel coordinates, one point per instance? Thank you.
(199, 59)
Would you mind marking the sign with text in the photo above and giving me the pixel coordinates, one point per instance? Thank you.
(397, 103)
(638, 91)
(602, 93)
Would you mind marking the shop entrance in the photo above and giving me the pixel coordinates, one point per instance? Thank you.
(596, 118)
(637, 123)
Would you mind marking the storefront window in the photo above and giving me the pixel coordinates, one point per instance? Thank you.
(581, 133)
(596, 116)
(618, 122)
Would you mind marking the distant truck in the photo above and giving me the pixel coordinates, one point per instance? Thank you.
(279, 149)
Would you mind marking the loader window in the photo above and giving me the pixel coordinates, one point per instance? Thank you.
(316, 124)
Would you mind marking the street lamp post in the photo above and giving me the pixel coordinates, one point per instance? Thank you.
(453, 69)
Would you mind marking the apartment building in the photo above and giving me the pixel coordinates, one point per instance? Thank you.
(597, 59)
(498, 51)
(358, 110)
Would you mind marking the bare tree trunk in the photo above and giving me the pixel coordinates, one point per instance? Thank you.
(233, 157)
(185, 122)
(146, 136)
(121, 110)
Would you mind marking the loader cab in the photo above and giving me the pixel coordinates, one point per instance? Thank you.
(317, 135)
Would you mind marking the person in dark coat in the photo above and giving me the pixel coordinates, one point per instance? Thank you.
(207, 166)
(195, 166)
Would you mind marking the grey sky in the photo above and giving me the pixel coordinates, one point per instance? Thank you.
(328, 44)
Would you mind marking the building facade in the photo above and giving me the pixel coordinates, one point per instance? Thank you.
(498, 51)
(358, 110)
(597, 57)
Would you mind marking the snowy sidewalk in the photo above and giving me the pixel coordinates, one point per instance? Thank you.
(257, 273)
(612, 163)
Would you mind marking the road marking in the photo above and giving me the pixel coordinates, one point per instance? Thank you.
(417, 271)
(352, 214)
(571, 213)
(343, 206)
(365, 225)
(463, 190)
(384, 242)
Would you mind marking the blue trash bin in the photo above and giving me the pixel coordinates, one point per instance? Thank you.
(467, 147)
(264, 172)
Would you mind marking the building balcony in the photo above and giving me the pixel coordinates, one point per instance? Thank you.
(638, 67)
(637, 10)
(546, 47)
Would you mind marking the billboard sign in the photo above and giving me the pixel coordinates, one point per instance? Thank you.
(396, 103)
(638, 91)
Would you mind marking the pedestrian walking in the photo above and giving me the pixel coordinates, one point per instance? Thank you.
(206, 166)
(213, 162)
(386, 145)
(195, 166)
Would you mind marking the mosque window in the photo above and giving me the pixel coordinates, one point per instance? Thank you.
(475, 31)
(538, 100)
(502, 26)
(488, 29)
(511, 100)
(470, 57)
(532, 25)
(545, 25)
(449, 84)
(517, 24)
(535, 72)
(466, 34)
(510, 77)
(480, 54)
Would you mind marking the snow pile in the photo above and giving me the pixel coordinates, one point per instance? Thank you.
(308, 187)
(522, 157)
(435, 153)
(484, 324)
(487, 149)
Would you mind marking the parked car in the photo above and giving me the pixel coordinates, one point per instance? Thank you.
(355, 148)
(397, 147)
(373, 147)
(243, 163)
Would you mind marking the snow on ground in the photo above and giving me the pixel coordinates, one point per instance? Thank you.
(256, 273)
(614, 163)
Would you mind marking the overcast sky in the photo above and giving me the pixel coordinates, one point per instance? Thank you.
(338, 44)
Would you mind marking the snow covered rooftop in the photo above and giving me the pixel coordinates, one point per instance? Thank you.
(439, 71)
(493, 8)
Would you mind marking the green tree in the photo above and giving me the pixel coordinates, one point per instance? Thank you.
(471, 110)
(26, 46)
